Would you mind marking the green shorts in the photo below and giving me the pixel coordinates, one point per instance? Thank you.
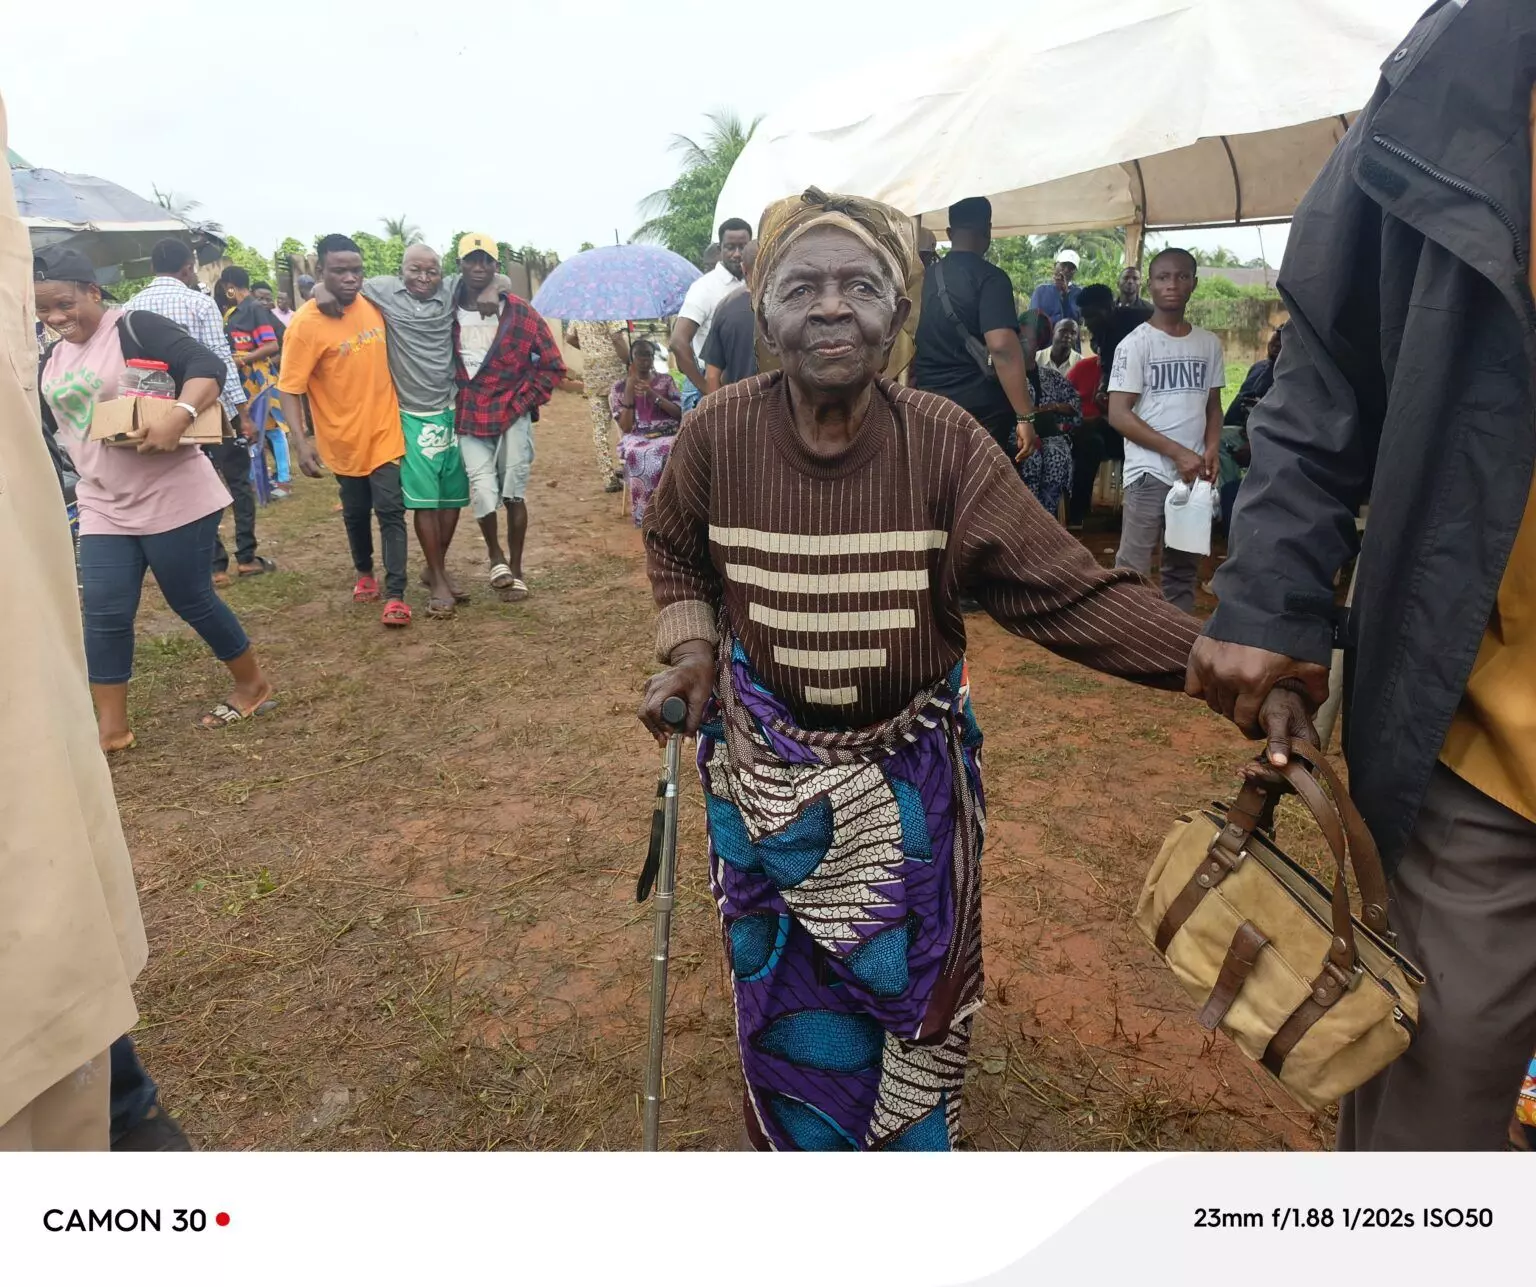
(432, 474)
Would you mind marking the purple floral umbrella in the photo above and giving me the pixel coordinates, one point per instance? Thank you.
(616, 284)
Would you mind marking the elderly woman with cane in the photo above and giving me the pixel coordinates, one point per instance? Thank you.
(808, 547)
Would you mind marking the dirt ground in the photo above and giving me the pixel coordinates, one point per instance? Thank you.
(400, 912)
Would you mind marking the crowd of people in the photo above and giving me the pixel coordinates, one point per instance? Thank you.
(870, 440)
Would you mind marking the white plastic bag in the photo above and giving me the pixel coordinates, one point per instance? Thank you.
(1187, 516)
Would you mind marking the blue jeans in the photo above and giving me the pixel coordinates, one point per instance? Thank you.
(112, 578)
(691, 394)
(133, 1091)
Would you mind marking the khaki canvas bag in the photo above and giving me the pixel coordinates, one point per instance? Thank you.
(1277, 961)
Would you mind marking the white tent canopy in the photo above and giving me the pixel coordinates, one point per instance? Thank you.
(1158, 113)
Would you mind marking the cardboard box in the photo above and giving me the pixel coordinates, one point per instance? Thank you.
(115, 421)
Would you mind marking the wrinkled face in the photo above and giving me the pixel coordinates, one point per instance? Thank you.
(73, 309)
(732, 246)
(1130, 282)
(264, 296)
(422, 272)
(831, 313)
(1172, 281)
(478, 269)
(342, 272)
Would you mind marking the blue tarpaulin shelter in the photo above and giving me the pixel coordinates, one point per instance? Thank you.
(116, 228)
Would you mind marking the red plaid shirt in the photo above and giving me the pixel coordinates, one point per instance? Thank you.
(518, 376)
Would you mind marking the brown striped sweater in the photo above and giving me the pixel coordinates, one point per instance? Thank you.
(842, 576)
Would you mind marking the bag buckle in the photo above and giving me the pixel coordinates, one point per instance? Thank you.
(1347, 980)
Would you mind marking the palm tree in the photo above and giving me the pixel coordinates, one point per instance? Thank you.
(182, 206)
(679, 216)
(403, 228)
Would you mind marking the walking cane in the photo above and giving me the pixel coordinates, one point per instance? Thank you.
(660, 870)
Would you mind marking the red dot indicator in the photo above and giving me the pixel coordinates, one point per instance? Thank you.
(221, 1219)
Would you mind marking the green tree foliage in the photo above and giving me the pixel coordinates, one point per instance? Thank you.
(408, 232)
(381, 256)
(292, 246)
(1029, 261)
(586, 245)
(184, 208)
(681, 217)
(248, 258)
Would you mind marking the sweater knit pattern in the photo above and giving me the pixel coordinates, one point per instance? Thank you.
(842, 575)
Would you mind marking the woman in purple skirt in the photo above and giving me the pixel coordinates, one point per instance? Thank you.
(809, 546)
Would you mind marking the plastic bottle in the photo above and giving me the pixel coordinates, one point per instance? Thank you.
(1187, 516)
(143, 378)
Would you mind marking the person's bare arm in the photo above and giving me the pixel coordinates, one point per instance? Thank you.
(302, 440)
(164, 423)
(714, 378)
(681, 345)
(1124, 420)
(620, 341)
(573, 338)
(667, 406)
(627, 405)
(1013, 374)
(266, 350)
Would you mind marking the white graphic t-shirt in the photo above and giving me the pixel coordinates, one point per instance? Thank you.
(1174, 376)
(476, 335)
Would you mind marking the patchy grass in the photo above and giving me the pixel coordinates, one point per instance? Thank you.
(399, 913)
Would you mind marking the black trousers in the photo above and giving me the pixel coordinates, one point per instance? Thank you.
(233, 461)
(1003, 426)
(1093, 442)
(378, 493)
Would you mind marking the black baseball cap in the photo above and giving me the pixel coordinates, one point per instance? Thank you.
(59, 263)
(973, 212)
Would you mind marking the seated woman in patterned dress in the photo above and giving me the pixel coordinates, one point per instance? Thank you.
(648, 408)
(1046, 467)
(808, 547)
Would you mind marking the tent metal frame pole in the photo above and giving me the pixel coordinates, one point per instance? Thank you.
(1237, 183)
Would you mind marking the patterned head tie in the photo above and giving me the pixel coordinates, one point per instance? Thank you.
(882, 228)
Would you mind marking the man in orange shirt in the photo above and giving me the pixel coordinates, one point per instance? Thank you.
(342, 364)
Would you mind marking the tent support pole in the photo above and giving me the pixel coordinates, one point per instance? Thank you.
(1135, 237)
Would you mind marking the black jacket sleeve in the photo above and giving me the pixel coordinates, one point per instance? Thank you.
(148, 335)
(1315, 434)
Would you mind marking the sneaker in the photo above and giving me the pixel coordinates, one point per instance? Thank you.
(158, 1132)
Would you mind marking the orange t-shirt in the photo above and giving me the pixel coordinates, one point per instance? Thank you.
(342, 364)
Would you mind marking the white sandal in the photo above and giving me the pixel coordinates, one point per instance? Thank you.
(501, 576)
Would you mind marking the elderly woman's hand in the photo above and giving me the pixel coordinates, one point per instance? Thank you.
(691, 677)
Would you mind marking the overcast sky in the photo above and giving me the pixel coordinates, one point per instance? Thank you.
(539, 123)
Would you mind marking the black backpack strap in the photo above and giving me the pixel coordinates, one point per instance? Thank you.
(973, 346)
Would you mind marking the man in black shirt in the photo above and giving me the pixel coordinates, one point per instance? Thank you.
(730, 353)
(968, 345)
(1110, 323)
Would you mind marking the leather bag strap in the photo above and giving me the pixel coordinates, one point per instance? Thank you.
(1365, 858)
(1242, 956)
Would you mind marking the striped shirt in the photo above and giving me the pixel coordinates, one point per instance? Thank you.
(199, 317)
(842, 576)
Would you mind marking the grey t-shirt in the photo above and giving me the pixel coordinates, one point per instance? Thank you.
(420, 340)
(1172, 376)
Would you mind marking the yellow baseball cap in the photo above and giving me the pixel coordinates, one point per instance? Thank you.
(471, 241)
